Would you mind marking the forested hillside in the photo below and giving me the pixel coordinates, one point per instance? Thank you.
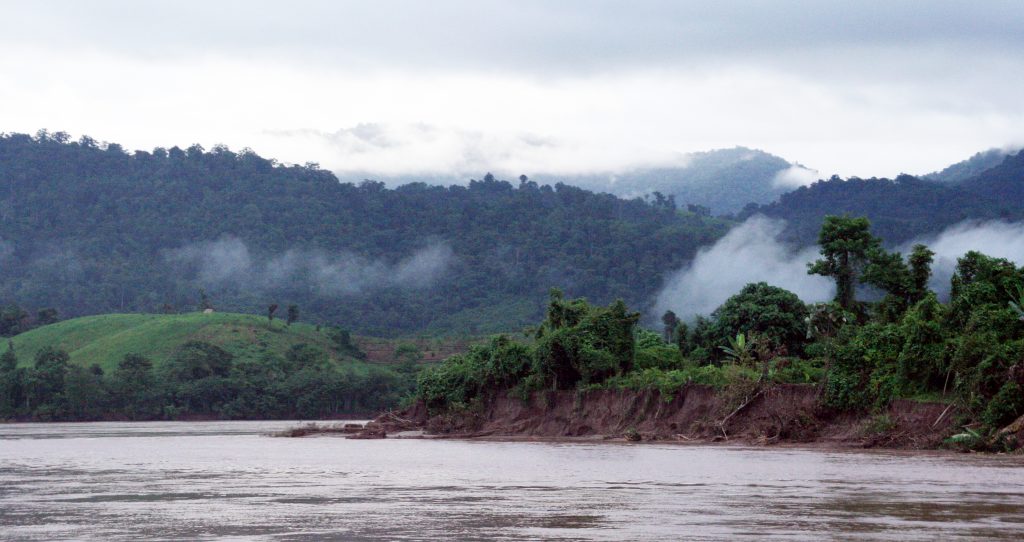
(88, 228)
(971, 167)
(722, 180)
(906, 207)
(718, 182)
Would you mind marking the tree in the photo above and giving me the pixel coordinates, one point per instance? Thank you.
(906, 283)
(9, 360)
(195, 360)
(293, 314)
(11, 382)
(135, 388)
(199, 372)
(981, 280)
(698, 210)
(823, 324)
(46, 316)
(702, 341)
(306, 356)
(46, 380)
(774, 314)
(671, 322)
(682, 342)
(270, 313)
(204, 300)
(408, 356)
(921, 258)
(85, 392)
(579, 342)
(889, 273)
(13, 320)
(847, 245)
(342, 342)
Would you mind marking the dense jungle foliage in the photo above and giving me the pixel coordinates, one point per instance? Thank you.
(720, 182)
(861, 355)
(906, 207)
(88, 228)
(200, 380)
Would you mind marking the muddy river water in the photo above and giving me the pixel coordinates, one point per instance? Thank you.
(226, 480)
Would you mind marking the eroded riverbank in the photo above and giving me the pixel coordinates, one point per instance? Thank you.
(779, 414)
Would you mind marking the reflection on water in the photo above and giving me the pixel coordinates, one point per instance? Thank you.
(225, 480)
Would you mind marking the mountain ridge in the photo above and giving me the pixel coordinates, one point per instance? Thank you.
(903, 208)
(90, 229)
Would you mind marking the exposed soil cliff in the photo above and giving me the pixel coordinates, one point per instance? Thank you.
(780, 413)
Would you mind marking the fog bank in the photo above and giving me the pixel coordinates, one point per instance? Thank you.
(229, 260)
(750, 252)
(997, 239)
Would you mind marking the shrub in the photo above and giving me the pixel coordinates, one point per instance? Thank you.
(500, 364)
(796, 371)
(880, 423)
(1004, 407)
(584, 344)
(665, 357)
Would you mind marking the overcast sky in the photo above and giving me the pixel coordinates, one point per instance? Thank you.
(855, 88)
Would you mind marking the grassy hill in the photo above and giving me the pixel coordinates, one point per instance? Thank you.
(105, 339)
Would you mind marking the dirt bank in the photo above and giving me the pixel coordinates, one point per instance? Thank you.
(778, 414)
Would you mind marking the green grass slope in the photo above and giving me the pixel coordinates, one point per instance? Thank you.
(105, 339)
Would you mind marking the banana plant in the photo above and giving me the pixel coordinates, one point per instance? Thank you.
(1017, 304)
(740, 350)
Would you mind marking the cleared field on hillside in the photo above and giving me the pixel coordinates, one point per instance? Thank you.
(105, 339)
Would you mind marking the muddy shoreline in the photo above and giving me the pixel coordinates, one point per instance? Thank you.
(778, 415)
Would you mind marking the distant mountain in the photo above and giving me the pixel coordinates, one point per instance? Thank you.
(92, 229)
(723, 180)
(903, 208)
(1002, 185)
(971, 167)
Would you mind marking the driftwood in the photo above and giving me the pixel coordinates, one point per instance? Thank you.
(725, 420)
(315, 429)
(395, 417)
(943, 415)
(1015, 427)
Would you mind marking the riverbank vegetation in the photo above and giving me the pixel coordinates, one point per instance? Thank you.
(861, 355)
(219, 365)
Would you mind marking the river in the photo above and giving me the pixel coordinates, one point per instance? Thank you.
(227, 480)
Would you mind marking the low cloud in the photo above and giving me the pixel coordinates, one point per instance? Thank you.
(750, 252)
(452, 154)
(795, 176)
(58, 260)
(997, 239)
(216, 261)
(229, 260)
